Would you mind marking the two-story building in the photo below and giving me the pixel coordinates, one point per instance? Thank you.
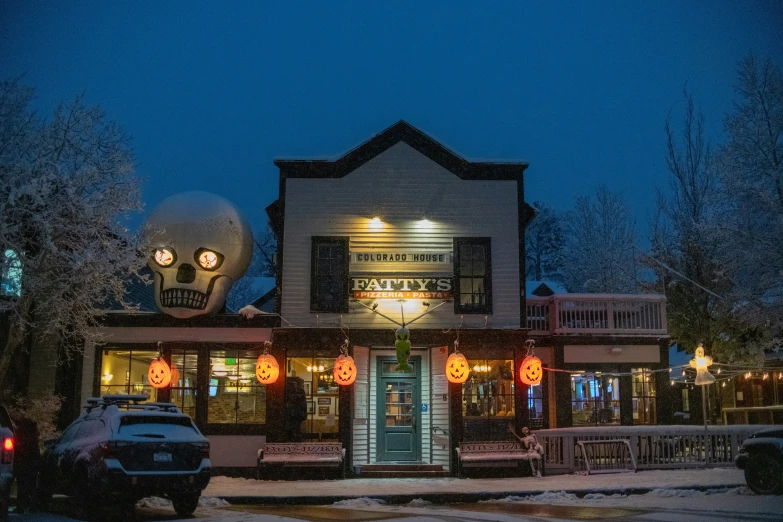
(399, 231)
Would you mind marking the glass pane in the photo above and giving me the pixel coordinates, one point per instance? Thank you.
(595, 399)
(489, 391)
(479, 264)
(312, 404)
(465, 260)
(125, 372)
(235, 395)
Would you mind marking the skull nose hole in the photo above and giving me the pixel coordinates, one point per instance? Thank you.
(186, 274)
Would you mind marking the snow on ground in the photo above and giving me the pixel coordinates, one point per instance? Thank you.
(157, 502)
(373, 487)
(738, 499)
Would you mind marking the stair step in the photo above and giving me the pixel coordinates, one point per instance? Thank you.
(404, 474)
(401, 467)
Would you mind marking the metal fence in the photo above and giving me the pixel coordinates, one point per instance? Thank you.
(652, 447)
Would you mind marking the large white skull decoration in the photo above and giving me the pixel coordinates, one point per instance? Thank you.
(201, 245)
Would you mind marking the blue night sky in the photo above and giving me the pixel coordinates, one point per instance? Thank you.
(212, 94)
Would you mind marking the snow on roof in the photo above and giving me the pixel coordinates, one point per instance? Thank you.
(543, 288)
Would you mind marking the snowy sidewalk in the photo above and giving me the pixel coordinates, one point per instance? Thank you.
(248, 491)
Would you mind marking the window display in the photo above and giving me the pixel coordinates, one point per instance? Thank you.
(643, 396)
(311, 398)
(595, 399)
(235, 396)
(125, 372)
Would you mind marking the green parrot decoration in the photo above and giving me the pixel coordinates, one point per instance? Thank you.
(403, 346)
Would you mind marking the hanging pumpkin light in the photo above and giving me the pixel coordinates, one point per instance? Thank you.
(530, 371)
(267, 369)
(344, 367)
(457, 367)
(159, 373)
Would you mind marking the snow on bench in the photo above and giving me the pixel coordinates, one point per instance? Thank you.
(491, 454)
(304, 454)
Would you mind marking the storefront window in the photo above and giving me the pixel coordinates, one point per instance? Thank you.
(488, 399)
(184, 380)
(643, 396)
(595, 399)
(312, 408)
(124, 371)
(235, 395)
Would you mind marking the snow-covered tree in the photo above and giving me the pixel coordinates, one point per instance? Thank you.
(544, 244)
(262, 265)
(599, 245)
(750, 164)
(66, 184)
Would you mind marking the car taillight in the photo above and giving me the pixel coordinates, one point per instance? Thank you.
(111, 448)
(203, 448)
(8, 450)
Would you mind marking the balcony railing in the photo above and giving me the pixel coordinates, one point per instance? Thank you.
(598, 314)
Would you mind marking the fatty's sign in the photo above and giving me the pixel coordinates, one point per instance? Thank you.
(382, 287)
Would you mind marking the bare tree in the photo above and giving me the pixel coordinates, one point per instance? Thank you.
(599, 245)
(262, 265)
(65, 185)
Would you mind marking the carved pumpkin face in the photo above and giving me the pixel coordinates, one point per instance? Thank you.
(344, 370)
(159, 373)
(457, 369)
(267, 369)
(530, 371)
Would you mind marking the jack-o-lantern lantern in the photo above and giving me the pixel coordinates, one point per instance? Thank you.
(457, 368)
(530, 371)
(344, 370)
(159, 373)
(267, 369)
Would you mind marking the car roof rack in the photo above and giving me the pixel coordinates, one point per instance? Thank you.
(130, 402)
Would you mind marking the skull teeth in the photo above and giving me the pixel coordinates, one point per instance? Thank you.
(184, 298)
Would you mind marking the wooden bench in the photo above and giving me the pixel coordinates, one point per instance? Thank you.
(302, 454)
(492, 454)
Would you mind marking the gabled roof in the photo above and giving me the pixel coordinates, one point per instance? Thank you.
(544, 288)
(400, 131)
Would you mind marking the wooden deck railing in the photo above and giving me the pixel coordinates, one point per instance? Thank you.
(597, 314)
(653, 447)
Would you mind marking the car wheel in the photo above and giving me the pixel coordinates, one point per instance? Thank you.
(764, 475)
(186, 505)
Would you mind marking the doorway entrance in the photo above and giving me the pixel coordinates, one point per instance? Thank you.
(399, 411)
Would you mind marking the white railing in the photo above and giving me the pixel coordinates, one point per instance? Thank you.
(598, 314)
(653, 447)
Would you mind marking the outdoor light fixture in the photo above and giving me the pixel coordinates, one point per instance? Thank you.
(376, 224)
(424, 224)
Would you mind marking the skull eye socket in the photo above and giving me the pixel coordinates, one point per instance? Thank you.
(208, 259)
(164, 256)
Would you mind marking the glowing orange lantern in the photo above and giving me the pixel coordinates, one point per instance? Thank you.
(530, 371)
(457, 368)
(159, 373)
(267, 369)
(344, 370)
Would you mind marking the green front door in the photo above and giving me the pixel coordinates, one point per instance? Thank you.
(399, 407)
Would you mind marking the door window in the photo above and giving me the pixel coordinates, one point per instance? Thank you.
(399, 403)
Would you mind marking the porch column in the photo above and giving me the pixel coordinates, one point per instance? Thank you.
(275, 399)
(626, 399)
(520, 392)
(562, 390)
(664, 391)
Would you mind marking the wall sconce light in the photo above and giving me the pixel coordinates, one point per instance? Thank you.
(424, 224)
(107, 376)
(376, 224)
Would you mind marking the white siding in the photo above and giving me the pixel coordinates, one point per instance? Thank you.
(401, 186)
(361, 357)
(439, 409)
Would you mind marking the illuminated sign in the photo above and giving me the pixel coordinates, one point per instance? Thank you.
(411, 287)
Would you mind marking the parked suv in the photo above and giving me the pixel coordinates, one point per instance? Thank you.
(124, 449)
(761, 456)
(6, 462)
